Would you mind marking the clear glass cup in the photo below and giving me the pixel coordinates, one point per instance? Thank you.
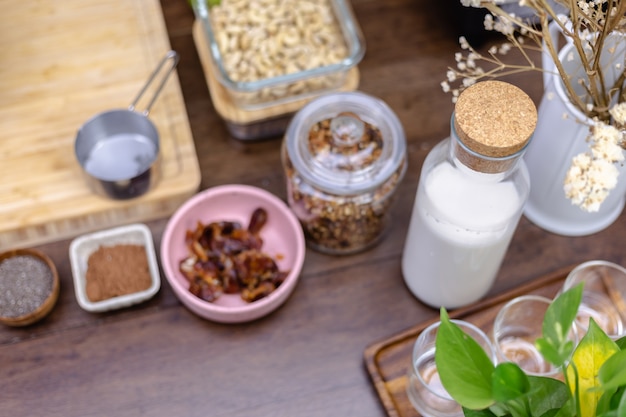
(516, 327)
(604, 296)
(424, 388)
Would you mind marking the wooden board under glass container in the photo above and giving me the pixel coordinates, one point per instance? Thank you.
(62, 63)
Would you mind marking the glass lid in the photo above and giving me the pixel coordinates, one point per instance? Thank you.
(346, 143)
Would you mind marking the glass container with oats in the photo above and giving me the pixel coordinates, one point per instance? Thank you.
(344, 155)
(269, 54)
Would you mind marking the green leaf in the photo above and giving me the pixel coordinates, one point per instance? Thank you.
(621, 409)
(621, 343)
(464, 367)
(591, 353)
(557, 323)
(499, 410)
(550, 352)
(568, 409)
(618, 397)
(605, 401)
(618, 406)
(612, 373)
(509, 382)
(478, 413)
(548, 396)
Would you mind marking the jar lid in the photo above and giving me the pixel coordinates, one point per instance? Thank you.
(346, 143)
(495, 118)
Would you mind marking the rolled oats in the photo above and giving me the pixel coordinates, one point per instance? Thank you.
(260, 39)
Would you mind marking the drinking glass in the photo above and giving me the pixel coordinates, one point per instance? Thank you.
(604, 296)
(516, 327)
(424, 388)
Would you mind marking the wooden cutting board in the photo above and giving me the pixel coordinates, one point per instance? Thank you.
(62, 63)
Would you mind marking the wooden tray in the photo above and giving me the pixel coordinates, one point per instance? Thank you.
(388, 361)
(64, 62)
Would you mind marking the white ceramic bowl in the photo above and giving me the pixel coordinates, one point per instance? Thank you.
(282, 236)
(83, 246)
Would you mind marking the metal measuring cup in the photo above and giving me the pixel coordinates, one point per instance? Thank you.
(119, 149)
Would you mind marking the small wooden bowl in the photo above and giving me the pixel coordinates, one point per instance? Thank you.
(46, 306)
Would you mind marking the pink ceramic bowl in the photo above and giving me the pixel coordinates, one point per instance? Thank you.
(282, 236)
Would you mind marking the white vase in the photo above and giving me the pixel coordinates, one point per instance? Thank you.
(561, 134)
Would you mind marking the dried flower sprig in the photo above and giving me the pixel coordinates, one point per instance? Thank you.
(588, 25)
(593, 174)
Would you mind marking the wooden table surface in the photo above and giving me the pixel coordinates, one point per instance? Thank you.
(306, 358)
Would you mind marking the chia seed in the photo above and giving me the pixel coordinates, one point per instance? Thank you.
(25, 283)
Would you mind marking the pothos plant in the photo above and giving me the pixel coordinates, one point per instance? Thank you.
(594, 371)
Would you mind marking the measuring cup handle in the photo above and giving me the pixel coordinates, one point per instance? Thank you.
(171, 57)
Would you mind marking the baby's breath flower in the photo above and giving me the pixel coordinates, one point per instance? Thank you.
(471, 3)
(589, 181)
(488, 22)
(504, 48)
(601, 132)
(592, 175)
(467, 82)
(605, 143)
(618, 112)
(464, 43)
(504, 25)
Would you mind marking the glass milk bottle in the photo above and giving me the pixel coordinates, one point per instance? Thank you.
(470, 196)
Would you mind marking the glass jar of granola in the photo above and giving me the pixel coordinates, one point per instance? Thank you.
(344, 155)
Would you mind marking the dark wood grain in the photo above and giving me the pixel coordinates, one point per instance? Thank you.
(306, 358)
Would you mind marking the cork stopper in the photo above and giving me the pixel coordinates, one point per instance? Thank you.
(494, 119)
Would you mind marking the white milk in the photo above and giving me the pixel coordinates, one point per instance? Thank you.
(461, 226)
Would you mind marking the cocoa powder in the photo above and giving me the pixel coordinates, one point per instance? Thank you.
(117, 270)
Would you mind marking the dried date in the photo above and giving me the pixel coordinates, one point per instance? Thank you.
(226, 258)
